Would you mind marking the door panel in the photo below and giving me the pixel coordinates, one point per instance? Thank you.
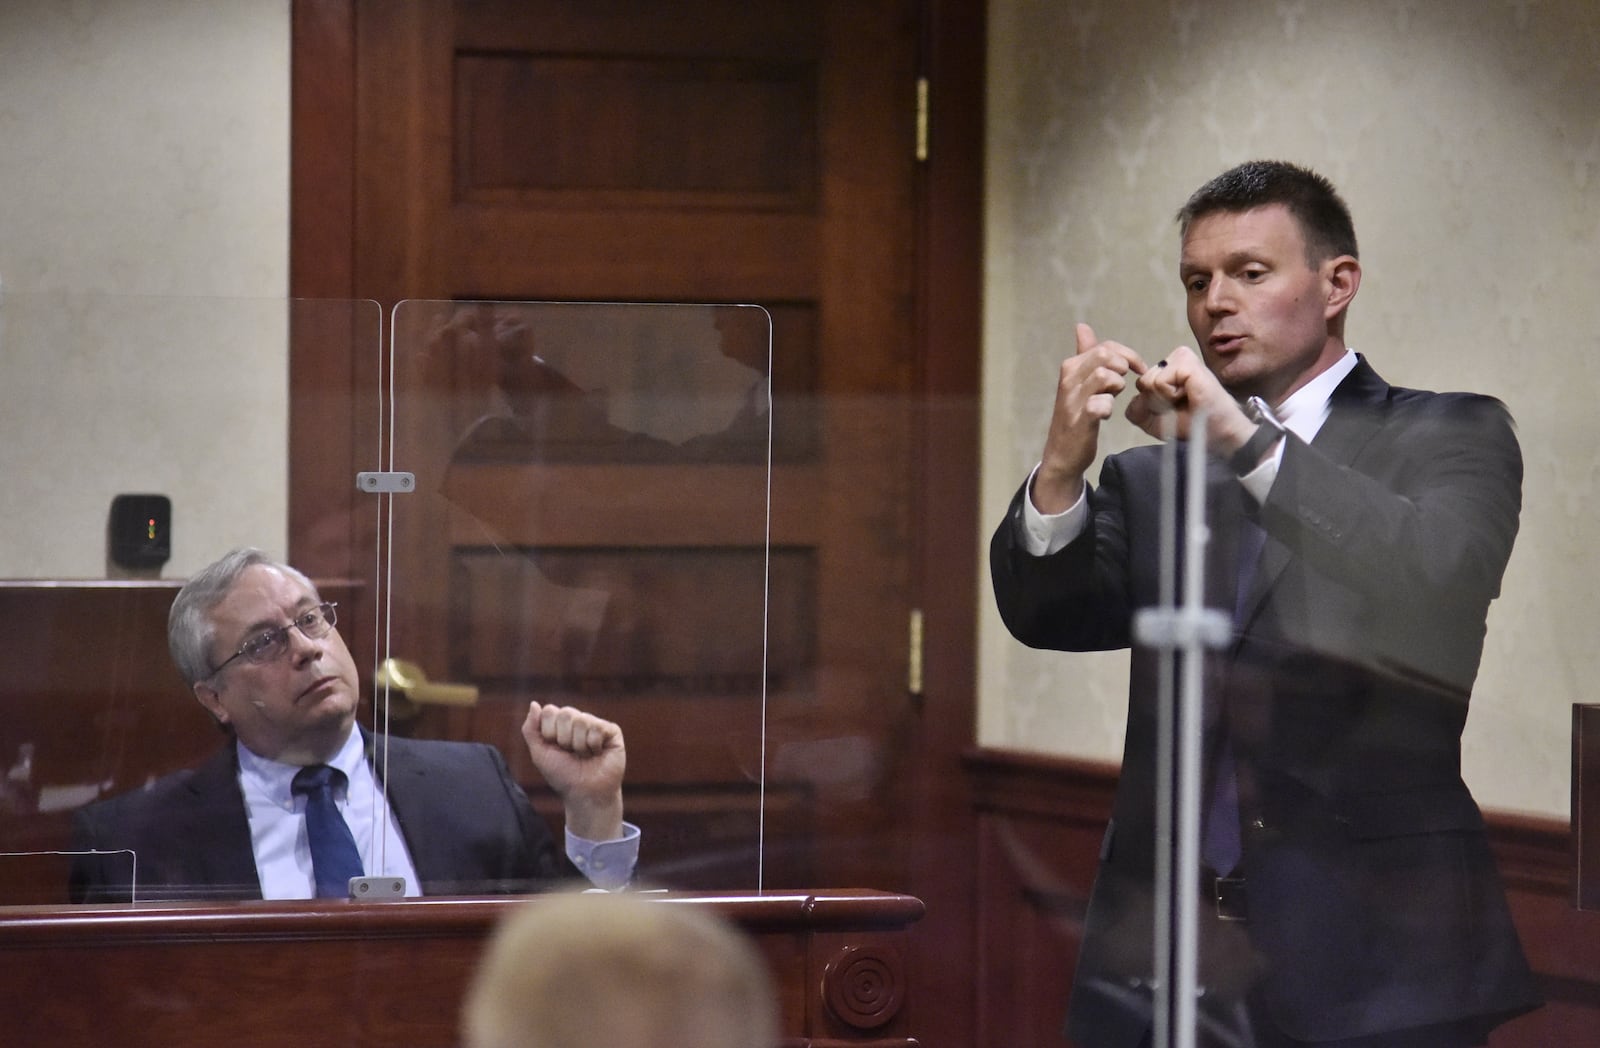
(756, 153)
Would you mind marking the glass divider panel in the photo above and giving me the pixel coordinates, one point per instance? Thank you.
(182, 402)
(588, 529)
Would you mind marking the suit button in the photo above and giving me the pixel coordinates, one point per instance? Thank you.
(1258, 824)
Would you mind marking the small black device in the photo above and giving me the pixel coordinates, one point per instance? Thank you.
(141, 530)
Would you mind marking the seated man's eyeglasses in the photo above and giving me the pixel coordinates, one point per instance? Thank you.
(271, 644)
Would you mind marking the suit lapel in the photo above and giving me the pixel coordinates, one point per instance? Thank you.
(403, 778)
(217, 823)
(1355, 416)
(1225, 508)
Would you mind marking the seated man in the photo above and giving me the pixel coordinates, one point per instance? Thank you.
(266, 818)
(621, 971)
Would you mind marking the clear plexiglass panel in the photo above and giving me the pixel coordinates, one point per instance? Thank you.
(579, 518)
(583, 523)
(182, 403)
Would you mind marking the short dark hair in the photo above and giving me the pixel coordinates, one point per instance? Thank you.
(1323, 216)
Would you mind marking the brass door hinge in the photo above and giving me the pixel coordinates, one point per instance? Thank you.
(922, 119)
(914, 655)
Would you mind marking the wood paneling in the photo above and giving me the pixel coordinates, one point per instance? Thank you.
(633, 132)
(662, 622)
(1586, 806)
(323, 528)
(1040, 823)
(97, 700)
(90, 705)
(938, 816)
(312, 974)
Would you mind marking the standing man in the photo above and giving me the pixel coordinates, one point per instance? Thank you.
(1358, 533)
(257, 645)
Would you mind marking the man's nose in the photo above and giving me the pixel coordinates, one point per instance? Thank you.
(1219, 295)
(303, 649)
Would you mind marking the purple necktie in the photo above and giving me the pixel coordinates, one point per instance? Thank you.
(1220, 846)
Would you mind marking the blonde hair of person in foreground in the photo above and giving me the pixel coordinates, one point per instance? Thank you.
(573, 971)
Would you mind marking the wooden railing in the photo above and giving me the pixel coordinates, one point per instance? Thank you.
(263, 975)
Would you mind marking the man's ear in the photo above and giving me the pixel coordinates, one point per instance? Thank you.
(1343, 276)
(211, 699)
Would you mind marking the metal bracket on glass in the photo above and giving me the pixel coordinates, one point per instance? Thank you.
(377, 889)
(1182, 627)
(393, 483)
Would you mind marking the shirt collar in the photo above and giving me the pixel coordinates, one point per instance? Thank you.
(1306, 409)
(272, 780)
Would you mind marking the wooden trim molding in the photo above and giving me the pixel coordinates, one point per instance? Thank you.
(946, 589)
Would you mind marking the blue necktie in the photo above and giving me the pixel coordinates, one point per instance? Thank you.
(334, 858)
(1220, 843)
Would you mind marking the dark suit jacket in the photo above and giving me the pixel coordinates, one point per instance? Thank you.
(1374, 903)
(469, 827)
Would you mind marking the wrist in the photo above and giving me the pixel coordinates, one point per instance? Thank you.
(1268, 431)
(1052, 494)
(594, 820)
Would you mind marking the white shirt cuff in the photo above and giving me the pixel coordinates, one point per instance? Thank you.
(607, 864)
(1047, 533)
(1258, 482)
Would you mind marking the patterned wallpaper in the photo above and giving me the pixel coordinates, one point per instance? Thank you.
(1465, 137)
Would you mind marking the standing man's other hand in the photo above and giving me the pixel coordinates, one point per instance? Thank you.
(1086, 393)
(1183, 386)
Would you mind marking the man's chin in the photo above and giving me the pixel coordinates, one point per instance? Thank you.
(332, 713)
(312, 736)
(1237, 377)
(329, 691)
(336, 707)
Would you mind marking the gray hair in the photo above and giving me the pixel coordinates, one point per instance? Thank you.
(190, 631)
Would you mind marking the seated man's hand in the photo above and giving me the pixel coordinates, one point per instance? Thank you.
(583, 758)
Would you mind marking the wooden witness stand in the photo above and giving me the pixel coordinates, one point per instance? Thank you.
(253, 975)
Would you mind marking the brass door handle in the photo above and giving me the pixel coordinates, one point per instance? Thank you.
(408, 679)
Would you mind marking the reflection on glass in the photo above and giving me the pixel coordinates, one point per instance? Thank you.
(588, 529)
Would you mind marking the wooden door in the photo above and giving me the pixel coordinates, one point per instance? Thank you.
(756, 152)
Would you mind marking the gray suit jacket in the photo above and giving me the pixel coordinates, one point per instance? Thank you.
(1374, 902)
(469, 827)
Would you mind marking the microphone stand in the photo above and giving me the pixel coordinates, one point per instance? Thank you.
(1179, 631)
